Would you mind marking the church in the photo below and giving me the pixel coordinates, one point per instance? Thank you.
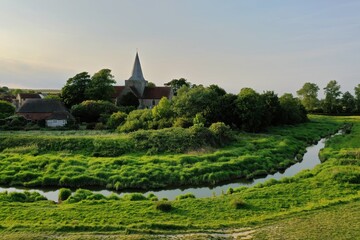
(138, 87)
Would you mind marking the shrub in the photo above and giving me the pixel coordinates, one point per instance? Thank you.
(238, 203)
(135, 197)
(116, 119)
(6, 109)
(222, 133)
(64, 194)
(152, 197)
(99, 126)
(90, 110)
(230, 191)
(79, 195)
(164, 206)
(182, 122)
(185, 196)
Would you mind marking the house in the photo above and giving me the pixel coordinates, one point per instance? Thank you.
(148, 96)
(22, 97)
(53, 112)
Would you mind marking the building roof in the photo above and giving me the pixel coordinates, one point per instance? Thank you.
(156, 92)
(118, 91)
(42, 106)
(137, 72)
(29, 95)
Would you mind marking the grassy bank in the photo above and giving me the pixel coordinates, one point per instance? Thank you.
(330, 189)
(57, 159)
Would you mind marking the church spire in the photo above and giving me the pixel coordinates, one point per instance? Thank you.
(137, 72)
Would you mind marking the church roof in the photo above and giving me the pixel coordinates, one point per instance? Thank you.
(156, 92)
(149, 92)
(137, 72)
(118, 91)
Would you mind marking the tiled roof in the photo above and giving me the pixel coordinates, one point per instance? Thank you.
(118, 90)
(156, 92)
(42, 106)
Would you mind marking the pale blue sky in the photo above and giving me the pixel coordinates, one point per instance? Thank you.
(262, 44)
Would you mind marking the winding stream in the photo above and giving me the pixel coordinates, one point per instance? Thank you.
(310, 160)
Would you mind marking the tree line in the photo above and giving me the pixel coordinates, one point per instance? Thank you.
(197, 105)
(334, 103)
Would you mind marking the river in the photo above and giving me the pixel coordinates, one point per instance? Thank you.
(310, 160)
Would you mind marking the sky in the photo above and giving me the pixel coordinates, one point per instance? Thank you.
(273, 45)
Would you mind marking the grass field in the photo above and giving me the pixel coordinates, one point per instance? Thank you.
(116, 161)
(306, 206)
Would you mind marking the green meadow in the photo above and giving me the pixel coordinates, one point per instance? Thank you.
(123, 161)
(289, 208)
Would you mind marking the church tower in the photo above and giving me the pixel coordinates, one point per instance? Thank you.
(137, 82)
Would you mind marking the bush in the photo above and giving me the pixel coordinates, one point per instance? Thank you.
(135, 197)
(185, 196)
(182, 122)
(90, 110)
(221, 132)
(238, 203)
(64, 194)
(116, 119)
(164, 206)
(6, 109)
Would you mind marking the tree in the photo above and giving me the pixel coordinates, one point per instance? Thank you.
(74, 90)
(348, 103)
(250, 109)
(163, 110)
(272, 110)
(6, 109)
(308, 96)
(332, 94)
(292, 111)
(357, 98)
(90, 110)
(226, 110)
(191, 101)
(176, 84)
(101, 86)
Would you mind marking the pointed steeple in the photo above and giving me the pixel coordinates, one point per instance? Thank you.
(137, 72)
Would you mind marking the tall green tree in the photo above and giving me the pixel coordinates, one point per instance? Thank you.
(332, 100)
(357, 98)
(250, 109)
(272, 110)
(308, 96)
(348, 103)
(292, 111)
(74, 90)
(101, 86)
(176, 84)
(190, 101)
